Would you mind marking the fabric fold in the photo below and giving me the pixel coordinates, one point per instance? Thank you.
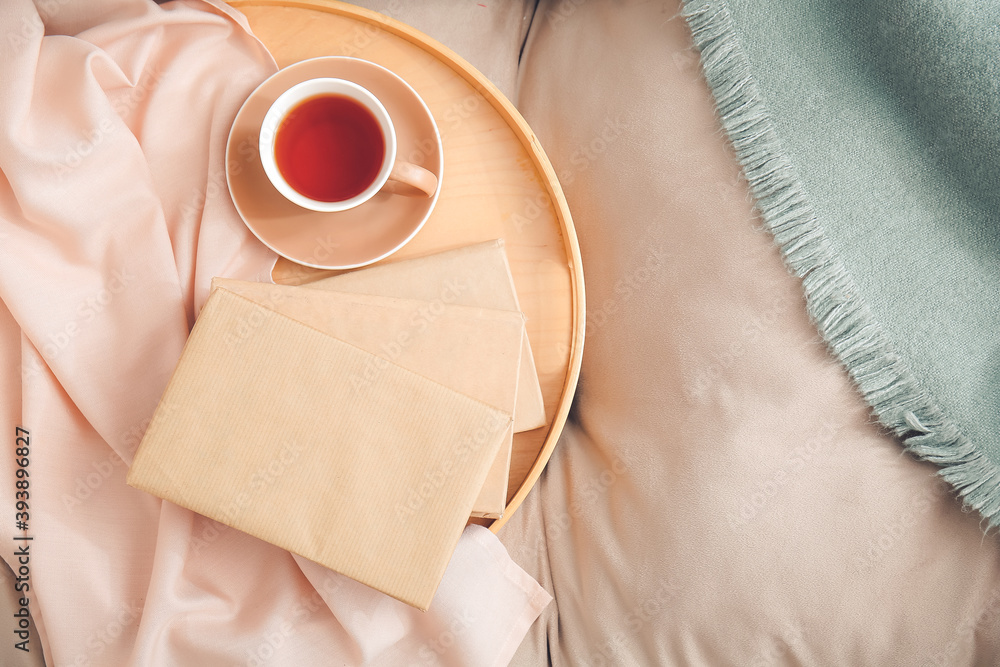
(114, 217)
(888, 215)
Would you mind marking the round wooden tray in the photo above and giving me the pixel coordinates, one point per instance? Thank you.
(497, 183)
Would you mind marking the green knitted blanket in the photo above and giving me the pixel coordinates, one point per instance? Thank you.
(869, 132)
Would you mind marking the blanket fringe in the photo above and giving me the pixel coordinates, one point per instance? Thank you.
(842, 318)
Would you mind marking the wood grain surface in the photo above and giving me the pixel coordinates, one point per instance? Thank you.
(497, 183)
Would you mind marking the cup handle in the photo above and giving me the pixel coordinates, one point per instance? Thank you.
(411, 180)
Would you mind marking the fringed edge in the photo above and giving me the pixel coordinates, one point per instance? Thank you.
(842, 318)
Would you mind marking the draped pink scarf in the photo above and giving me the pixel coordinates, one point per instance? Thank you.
(114, 217)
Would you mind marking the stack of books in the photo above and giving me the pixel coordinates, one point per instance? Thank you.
(358, 420)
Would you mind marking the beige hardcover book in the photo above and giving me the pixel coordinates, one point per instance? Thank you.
(474, 351)
(476, 275)
(260, 428)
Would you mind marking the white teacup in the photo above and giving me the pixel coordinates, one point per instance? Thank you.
(421, 182)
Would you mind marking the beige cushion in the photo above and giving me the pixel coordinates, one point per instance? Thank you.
(487, 34)
(723, 496)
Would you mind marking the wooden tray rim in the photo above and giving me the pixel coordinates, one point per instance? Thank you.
(529, 141)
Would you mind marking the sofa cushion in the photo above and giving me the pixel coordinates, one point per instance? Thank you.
(722, 494)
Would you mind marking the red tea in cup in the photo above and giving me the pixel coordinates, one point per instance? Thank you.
(329, 148)
(329, 145)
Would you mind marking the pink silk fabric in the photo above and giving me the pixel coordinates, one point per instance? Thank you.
(114, 217)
